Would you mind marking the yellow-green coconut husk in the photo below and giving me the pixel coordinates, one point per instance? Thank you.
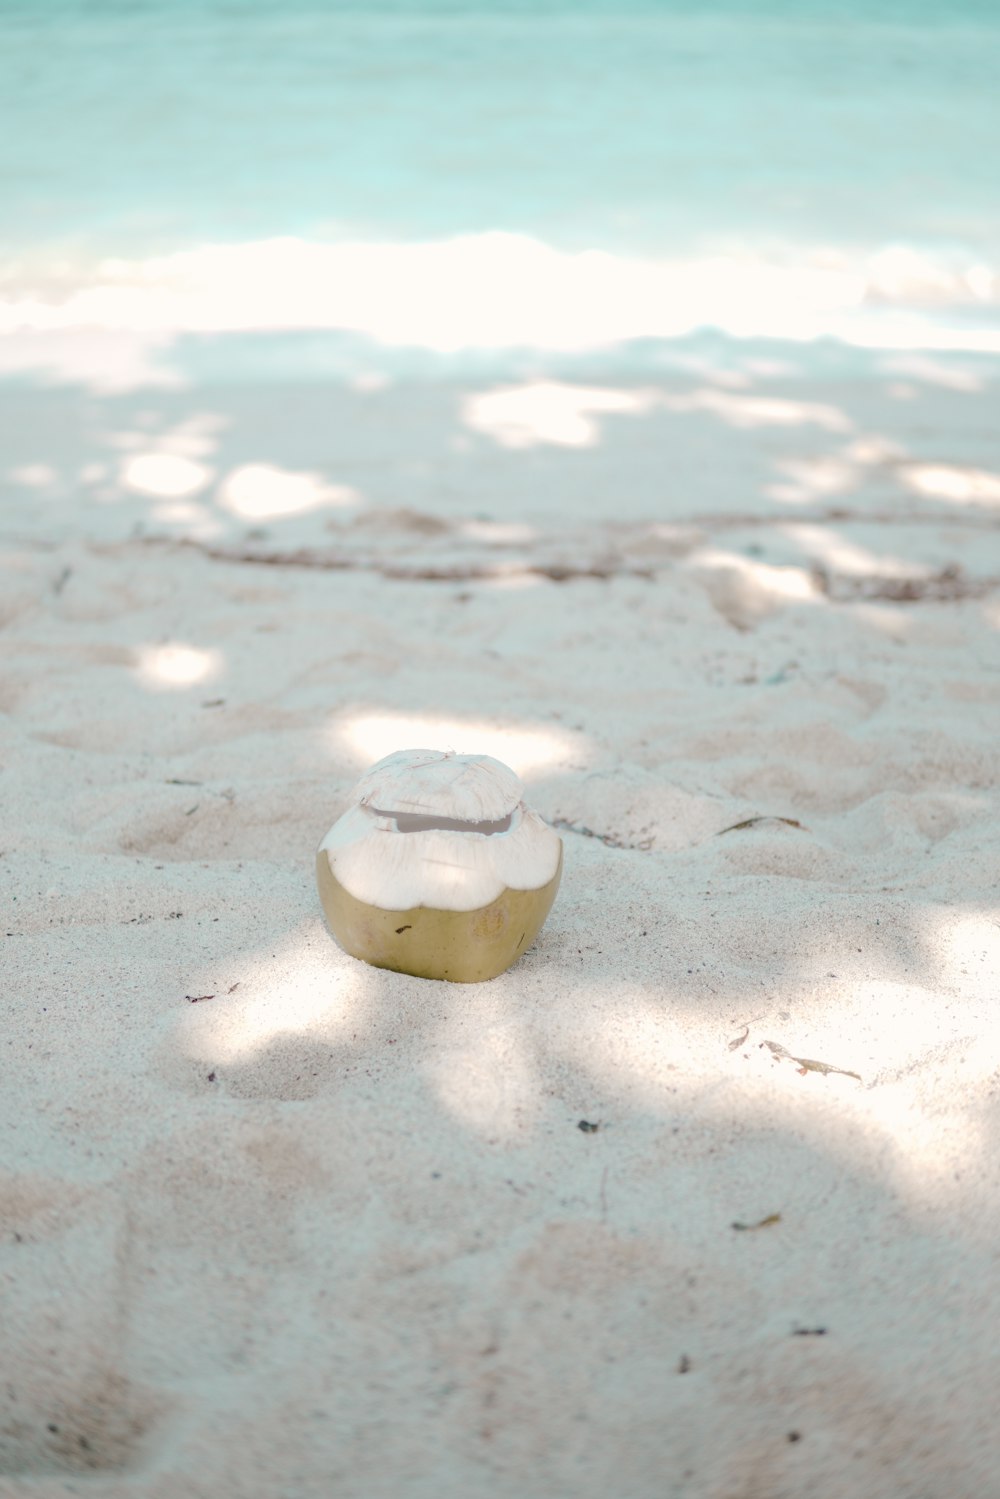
(437, 868)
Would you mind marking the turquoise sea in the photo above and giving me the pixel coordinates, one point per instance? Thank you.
(825, 167)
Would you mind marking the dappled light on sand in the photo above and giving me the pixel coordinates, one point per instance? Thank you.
(169, 475)
(927, 1152)
(370, 736)
(744, 590)
(486, 1079)
(749, 412)
(933, 1134)
(838, 554)
(34, 476)
(550, 411)
(103, 361)
(972, 943)
(498, 533)
(947, 481)
(566, 415)
(946, 374)
(739, 1087)
(307, 987)
(173, 465)
(610, 389)
(813, 478)
(819, 476)
(177, 665)
(265, 492)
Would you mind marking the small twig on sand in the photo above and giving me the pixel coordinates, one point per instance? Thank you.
(806, 1064)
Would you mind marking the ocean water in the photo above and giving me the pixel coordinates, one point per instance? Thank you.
(458, 173)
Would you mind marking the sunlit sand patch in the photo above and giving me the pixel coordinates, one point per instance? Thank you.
(370, 736)
(370, 382)
(34, 476)
(745, 591)
(826, 546)
(926, 1152)
(170, 475)
(749, 412)
(825, 474)
(935, 372)
(771, 369)
(894, 1076)
(915, 1051)
(813, 478)
(192, 518)
(972, 944)
(876, 1076)
(874, 449)
(903, 1020)
(262, 492)
(944, 481)
(549, 411)
(306, 987)
(195, 437)
(176, 665)
(498, 533)
(104, 360)
(488, 1083)
(178, 512)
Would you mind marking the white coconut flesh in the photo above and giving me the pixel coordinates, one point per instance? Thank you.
(449, 832)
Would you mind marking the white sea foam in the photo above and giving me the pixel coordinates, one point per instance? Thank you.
(499, 291)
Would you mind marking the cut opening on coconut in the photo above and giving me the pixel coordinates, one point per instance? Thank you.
(424, 822)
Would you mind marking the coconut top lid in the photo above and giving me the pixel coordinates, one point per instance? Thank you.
(428, 828)
(439, 783)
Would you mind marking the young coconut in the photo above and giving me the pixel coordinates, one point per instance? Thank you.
(438, 868)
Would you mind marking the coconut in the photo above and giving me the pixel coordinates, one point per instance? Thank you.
(438, 868)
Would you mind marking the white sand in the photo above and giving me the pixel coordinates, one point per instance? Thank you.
(330, 1231)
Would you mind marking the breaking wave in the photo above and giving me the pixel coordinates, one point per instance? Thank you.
(502, 291)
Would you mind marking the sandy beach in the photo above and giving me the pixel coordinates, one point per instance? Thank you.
(702, 1197)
